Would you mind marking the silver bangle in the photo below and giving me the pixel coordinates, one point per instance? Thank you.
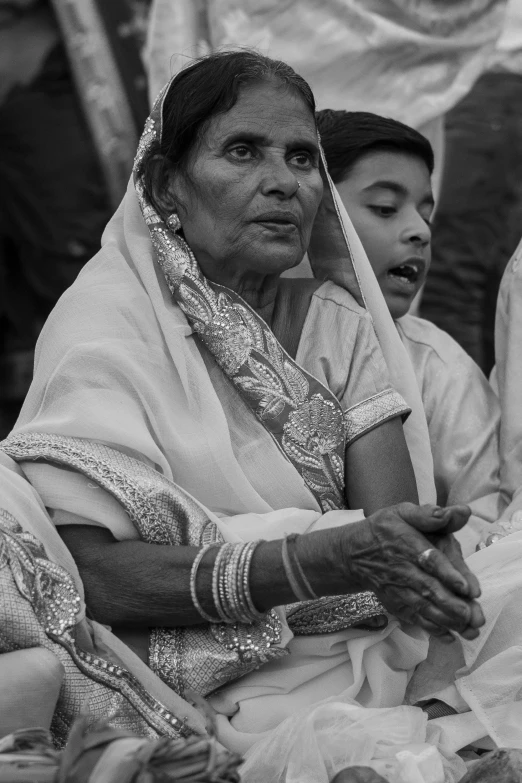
(294, 559)
(218, 586)
(301, 589)
(230, 578)
(248, 552)
(193, 586)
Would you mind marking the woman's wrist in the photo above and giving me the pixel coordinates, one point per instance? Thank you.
(322, 557)
(269, 585)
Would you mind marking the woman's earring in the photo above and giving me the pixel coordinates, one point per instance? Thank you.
(173, 222)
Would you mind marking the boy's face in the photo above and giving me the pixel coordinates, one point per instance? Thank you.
(388, 197)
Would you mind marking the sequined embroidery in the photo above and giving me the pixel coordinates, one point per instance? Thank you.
(331, 614)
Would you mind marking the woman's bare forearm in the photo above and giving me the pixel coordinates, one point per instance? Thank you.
(378, 469)
(132, 582)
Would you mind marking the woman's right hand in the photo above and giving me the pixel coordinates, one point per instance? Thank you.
(382, 553)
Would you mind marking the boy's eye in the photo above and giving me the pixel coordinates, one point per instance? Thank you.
(383, 210)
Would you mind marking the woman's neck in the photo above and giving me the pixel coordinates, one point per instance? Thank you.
(260, 295)
(258, 291)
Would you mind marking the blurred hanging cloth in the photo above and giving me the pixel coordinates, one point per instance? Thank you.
(477, 225)
(407, 59)
(101, 40)
(72, 104)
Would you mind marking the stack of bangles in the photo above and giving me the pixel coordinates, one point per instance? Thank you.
(231, 581)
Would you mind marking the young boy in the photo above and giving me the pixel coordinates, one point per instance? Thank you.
(382, 171)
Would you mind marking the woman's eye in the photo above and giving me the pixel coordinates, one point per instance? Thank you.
(383, 211)
(302, 159)
(241, 152)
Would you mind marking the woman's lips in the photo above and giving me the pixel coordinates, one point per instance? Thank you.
(278, 228)
(280, 222)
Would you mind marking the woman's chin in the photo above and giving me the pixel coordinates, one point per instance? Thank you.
(274, 264)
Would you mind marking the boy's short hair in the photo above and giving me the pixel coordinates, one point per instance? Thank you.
(348, 135)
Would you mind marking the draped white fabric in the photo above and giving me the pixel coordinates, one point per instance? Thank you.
(409, 60)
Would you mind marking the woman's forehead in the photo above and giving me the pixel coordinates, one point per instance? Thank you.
(268, 112)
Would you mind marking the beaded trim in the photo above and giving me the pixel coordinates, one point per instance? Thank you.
(368, 414)
(331, 614)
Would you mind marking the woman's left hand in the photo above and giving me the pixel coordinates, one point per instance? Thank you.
(444, 541)
(407, 555)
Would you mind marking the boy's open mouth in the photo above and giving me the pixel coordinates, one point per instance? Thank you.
(407, 273)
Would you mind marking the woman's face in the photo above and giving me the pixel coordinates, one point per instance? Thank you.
(253, 187)
(389, 199)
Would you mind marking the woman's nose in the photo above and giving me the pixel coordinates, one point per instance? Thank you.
(279, 180)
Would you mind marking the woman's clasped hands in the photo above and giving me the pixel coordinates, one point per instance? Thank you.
(408, 556)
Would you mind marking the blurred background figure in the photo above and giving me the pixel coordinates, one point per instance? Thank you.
(73, 100)
(479, 214)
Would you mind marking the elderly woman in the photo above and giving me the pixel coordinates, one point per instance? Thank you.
(192, 414)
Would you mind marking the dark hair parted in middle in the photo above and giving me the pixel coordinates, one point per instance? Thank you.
(348, 135)
(206, 88)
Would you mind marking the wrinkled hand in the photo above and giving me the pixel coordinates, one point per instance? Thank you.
(382, 554)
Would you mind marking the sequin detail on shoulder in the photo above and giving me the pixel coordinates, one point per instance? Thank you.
(369, 413)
